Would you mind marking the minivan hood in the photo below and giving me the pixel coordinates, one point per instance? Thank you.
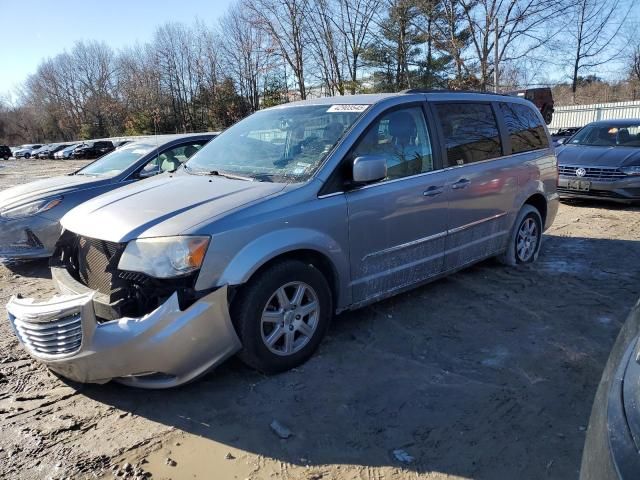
(47, 187)
(161, 206)
(586, 156)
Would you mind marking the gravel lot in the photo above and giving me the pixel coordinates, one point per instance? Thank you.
(489, 373)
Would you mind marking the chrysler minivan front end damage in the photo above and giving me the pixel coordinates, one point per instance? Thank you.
(110, 324)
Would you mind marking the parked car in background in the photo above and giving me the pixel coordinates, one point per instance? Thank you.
(30, 213)
(602, 161)
(36, 152)
(94, 149)
(66, 152)
(612, 445)
(120, 143)
(25, 150)
(541, 98)
(5, 152)
(562, 135)
(50, 150)
(293, 214)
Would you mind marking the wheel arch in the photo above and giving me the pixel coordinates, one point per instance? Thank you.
(538, 201)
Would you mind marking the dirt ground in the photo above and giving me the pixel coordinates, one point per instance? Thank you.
(487, 374)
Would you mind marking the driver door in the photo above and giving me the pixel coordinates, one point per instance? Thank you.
(397, 226)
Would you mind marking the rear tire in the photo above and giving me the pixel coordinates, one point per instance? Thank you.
(525, 238)
(27, 156)
(282, 315)
(547, 114)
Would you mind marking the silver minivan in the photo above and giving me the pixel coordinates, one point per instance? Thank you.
(293, 214)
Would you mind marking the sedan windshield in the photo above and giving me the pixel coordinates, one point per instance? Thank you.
(279, 144)
(117, 161)
(603, 135)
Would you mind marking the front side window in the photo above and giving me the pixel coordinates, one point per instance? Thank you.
(524, 126)
(172, 158)
(402, 138)
(117, 161)
(608, 135)
(280, 144)
(470, 132)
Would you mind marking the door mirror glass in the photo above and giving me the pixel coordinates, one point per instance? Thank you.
(560, 141)
(369, 168)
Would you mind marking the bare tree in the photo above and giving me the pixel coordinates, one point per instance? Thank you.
(591, 35)
(523, 26)
(286, 22)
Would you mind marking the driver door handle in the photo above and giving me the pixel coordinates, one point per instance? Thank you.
(462, 183)
(433, 191)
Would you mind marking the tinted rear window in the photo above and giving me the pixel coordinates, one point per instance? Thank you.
(525, 127)
(470, 132)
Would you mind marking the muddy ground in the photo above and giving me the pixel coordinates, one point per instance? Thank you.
(487, 374)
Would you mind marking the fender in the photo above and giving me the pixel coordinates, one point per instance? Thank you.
(288, 240)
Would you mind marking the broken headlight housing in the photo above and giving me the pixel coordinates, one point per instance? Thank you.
(165, 257)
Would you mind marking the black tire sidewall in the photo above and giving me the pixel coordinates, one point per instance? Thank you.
(247, 308)
(533, 213)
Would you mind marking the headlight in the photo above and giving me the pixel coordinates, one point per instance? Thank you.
(31, 208)
(164, 257)
(632, 170)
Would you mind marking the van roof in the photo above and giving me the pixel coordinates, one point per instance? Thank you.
(372, 98)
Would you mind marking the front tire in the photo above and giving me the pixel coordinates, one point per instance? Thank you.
(282, 315)
(27, 156)
(525, 238)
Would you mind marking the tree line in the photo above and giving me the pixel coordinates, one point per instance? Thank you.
(265, 52)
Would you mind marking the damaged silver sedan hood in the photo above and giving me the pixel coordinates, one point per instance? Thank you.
(38, 189)
(163, 206)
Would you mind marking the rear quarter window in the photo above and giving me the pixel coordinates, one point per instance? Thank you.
(524, 126)
(470, 132)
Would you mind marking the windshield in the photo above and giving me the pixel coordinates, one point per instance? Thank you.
(280, 144)
(117, 161)
(603, 135)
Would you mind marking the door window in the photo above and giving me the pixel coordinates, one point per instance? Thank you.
(524, 126)
(402, 138)
(470, 132)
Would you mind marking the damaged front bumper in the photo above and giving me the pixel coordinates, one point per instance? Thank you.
(27, 238)
(166, 348)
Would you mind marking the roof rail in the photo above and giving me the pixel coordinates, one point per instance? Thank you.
(444, 90)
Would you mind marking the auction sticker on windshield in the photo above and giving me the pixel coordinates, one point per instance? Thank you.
(347, 108)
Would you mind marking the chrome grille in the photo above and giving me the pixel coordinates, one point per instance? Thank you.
(58, 337)
(596, 173)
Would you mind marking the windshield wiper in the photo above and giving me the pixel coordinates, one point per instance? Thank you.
(218, 173)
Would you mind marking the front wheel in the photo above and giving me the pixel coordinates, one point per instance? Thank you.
(27, 156)
(282, 315)
(525, 238)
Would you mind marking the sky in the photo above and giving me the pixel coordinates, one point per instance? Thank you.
(33, 30)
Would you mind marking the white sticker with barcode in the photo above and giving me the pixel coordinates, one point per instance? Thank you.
(347, 108)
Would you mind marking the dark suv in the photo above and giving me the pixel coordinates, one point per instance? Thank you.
(5, 152)
(93, 149)
(541, 98)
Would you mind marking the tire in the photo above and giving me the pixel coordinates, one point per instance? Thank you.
(27, 156)
(525, 238)
(286, 337)
(547, 114)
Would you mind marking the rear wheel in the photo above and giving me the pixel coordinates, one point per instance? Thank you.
(282, 315)
(525, 238)
(27, 156)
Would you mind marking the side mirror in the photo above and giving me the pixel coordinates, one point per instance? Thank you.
(369, 168)
(149, 171)
(560, 141)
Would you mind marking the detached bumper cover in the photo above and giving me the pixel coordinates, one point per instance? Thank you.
(163, 349)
